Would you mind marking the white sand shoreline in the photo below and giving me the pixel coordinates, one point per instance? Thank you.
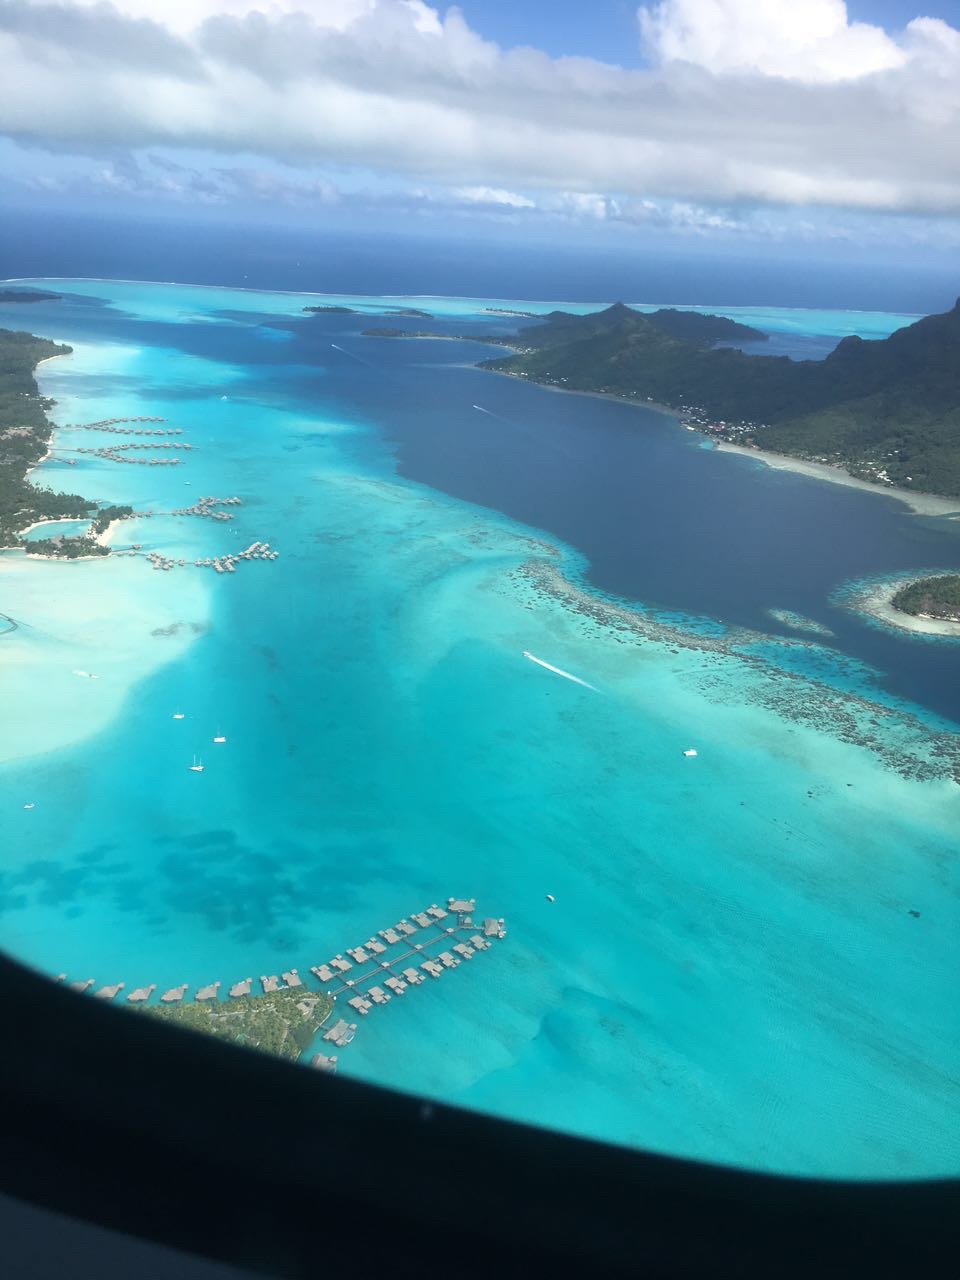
(105, 538)
(875, 600)
(922, 504)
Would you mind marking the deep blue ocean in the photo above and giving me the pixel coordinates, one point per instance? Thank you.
(411, 261)
(727, 964)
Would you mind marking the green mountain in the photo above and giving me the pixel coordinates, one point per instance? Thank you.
(561, 327)
(885, 410)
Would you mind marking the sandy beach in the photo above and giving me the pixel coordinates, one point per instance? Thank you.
(875, 600)
(39, 524)
(105, 538)
(922, 504)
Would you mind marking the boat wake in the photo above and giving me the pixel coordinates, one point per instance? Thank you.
(352, 355)
(557, 671)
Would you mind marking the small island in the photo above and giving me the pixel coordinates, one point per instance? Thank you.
(335, 309)
(407, 311)
(387, 332)
(933, 598)
(924, 605)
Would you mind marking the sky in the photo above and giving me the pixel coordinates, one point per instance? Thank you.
(709, 122)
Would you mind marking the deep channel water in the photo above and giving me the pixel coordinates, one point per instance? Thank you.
(730, 969)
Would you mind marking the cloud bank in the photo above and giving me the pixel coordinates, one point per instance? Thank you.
(781, 103)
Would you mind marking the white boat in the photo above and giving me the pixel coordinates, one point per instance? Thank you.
(221, 737)
(197, 766)
(551, 898)
(29, 805)
(690, 751)
(178, 715)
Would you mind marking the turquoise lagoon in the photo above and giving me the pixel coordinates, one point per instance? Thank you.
(729, 970)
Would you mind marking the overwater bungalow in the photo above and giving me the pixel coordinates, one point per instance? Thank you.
(413, 977)
(378, 995)
(422, 919)
(142, 994)
(339, 963)
(269, 984)
(323, 1063)
(390, 936)
(493, 929)
(241, 988)
(395, 984)
(337, 1032)
(431, 967)
(292, 978)
(80, 986)
(209, 992)
(358, 954)
(438, 913)
(376, 947)
(462, 906)
(462, 949)
(108, 993)
(175, 994)
(448, 961)
(479, 944)
(323, 972)
(404, 927)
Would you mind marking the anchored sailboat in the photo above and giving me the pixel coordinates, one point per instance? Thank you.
(197, 766)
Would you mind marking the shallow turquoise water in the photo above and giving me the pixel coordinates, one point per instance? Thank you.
(55, 528)
(728, 970)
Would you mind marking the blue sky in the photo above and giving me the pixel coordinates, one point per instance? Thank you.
(607, 29)
(725, 122)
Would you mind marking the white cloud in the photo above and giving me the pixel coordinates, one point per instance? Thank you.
(748, 101)
(494, 196)
(184, 16)
(810, 40)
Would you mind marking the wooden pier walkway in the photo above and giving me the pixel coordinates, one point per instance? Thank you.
(384, 967)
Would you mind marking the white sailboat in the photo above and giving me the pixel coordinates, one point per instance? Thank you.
(197, 766)
(178, 715)
(220, 737)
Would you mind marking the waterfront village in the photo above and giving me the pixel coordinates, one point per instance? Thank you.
(287, 1015)
(93, 542)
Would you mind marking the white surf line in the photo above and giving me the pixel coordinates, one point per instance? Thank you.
(558, 672)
